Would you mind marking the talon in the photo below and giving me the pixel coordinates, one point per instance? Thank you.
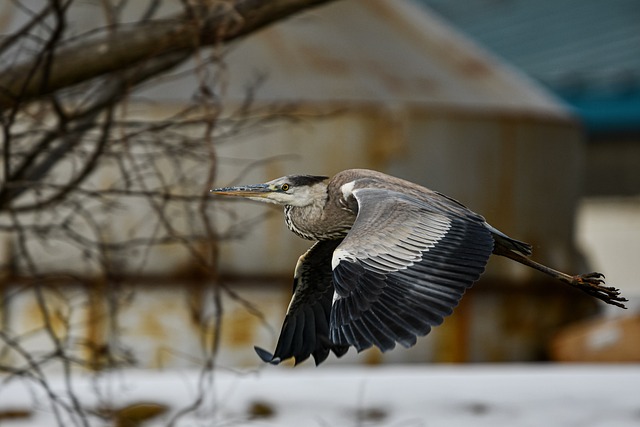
(592, 284)
(595, 274)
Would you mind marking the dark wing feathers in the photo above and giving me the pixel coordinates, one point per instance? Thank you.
(305, 331)
(402, 268)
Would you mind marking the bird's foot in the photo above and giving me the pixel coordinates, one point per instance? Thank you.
(593, 284)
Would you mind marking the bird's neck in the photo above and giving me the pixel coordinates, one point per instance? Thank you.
(322, 219)
(306, 221)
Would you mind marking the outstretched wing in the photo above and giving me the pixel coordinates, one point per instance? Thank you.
(402, 268)
(305, 330)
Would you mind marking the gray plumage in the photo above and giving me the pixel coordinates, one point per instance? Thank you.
(392, 259)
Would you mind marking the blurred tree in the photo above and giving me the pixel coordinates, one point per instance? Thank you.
(74, 155)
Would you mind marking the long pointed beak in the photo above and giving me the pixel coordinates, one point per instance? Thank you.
(256, 190)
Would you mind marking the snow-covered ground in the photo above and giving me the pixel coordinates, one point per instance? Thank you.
(403, 396)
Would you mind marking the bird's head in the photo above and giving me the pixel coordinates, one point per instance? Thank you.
(292, 190)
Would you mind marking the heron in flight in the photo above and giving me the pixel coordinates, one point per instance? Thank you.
(391, 260)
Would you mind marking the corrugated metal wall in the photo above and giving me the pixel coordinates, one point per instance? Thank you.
(375, 84)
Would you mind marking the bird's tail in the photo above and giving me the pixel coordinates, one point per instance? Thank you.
(504, 243)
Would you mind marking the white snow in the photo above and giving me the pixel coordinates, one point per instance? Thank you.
(415, 395)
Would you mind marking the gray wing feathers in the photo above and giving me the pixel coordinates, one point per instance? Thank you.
(401, 269)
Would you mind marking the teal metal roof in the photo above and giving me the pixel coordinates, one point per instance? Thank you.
(587, 51)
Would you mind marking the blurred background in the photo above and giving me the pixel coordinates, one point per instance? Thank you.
(119, 116)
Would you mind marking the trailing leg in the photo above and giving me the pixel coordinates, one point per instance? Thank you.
(590, 283)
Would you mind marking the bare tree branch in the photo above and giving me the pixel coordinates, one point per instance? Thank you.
(111, 93)
(79, 61)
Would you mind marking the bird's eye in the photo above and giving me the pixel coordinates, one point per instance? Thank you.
(284, 187)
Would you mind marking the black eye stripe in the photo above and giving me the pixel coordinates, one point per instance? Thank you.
(304, 180)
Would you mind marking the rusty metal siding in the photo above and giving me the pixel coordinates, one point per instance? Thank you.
(382, 51)
(173, 325)
(421, 102)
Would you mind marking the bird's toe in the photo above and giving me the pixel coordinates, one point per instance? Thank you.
(593, 284)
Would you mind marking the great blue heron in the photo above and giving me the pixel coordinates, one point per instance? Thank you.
(391, 260)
